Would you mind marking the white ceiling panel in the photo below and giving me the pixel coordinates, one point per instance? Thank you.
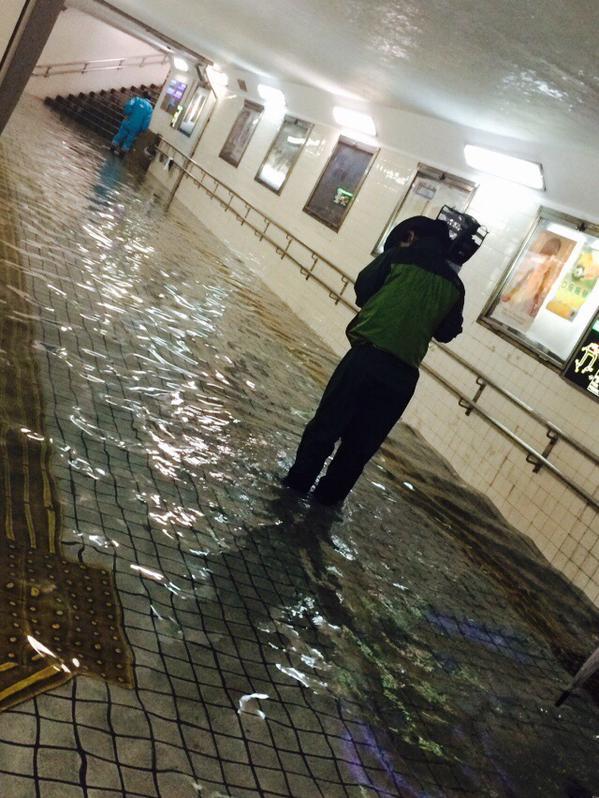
(523, 68)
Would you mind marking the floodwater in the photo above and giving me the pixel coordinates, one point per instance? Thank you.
(178, 624)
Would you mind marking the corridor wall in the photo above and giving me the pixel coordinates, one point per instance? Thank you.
(11, 11)
(24, 29)
(77, 36)
(561, 524)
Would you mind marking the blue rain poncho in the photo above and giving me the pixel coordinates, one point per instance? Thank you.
(138, 113)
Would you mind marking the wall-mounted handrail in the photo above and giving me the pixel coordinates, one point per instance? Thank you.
(483, 381)
(537, 459)
(81, 67)
(532, 455)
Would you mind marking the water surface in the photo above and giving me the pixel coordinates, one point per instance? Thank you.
(412, 645)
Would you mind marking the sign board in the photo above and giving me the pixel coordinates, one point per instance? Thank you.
(173, 96)
(583, 367)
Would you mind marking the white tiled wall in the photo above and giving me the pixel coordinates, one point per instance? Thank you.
(11, 11)
(564, 528)
(78, 36)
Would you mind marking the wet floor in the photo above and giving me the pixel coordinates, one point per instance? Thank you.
(412, 646)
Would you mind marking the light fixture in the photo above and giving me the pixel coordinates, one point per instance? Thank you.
(180, 64)
(271, 96)
(216, 76)
(517, 170)
(354, 120)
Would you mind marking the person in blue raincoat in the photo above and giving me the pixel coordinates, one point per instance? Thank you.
(138, 113)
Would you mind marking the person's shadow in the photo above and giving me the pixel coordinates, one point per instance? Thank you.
(297, 542)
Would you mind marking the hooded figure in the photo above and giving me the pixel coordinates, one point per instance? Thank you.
(138, 113)
(407, 296)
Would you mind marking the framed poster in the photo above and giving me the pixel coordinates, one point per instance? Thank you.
(428, 192)
(241, 132)
(550, 292)
(188, 118)
(173, 96)
(577, 285)
(339, 182)
(583, 367)
(283, 153)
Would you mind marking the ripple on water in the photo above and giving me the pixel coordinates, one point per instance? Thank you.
(415, 635)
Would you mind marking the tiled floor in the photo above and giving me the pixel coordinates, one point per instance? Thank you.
(408, 647)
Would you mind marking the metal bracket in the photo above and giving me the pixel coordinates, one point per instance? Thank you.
(466, 404)
(535, 462)
(344, 284)
(553, 439)
(243, 220)
(263, 233)
(482, 384)
(282, 252)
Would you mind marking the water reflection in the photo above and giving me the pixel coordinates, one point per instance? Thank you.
(411, 645)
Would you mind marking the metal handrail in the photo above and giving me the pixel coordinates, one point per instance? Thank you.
(307, 269)
(537, 459)
(67, 67)
(554, 432)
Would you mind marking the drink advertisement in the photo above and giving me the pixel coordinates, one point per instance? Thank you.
(577, 285)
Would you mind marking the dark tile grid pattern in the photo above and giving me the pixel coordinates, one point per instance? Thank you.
(243, 595)
(181, 725)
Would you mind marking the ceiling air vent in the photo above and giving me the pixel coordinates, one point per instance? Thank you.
(242, 85)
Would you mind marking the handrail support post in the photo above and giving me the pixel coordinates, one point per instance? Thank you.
(553, 439)
(535, 462)
(482, 384)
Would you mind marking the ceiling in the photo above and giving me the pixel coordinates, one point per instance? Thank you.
(522, 68)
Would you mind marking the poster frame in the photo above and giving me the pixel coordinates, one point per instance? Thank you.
(537, 351)
(259, 109)
(357, 145)
(286, 118)
(426, 171)
(570, 360)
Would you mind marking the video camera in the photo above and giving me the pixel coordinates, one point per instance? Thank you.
(465, 232)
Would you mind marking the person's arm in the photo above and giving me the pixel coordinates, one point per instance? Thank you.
(371, 278)
(128, 107)
(452, 325)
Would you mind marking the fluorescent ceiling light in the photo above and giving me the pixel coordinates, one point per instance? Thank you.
(216, 76)
(528, 173)
(180, 64)
(354, 120)
(270, 95)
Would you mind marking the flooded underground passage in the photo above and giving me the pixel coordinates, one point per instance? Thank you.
(178, 623)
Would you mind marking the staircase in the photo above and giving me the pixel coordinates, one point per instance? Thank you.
(100, 111)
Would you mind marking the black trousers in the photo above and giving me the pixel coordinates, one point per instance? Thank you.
(366, 395)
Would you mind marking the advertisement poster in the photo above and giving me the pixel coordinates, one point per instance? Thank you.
(426, 196)
(583, 369)
(342, 197)
(283, 153)
(173, 95)
(532, 279)
(241, 133)
(341, 179)
(577, 285)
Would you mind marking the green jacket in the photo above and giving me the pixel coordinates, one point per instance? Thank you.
(407, 296)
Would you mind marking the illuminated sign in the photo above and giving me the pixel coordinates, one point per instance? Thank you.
(583, 368)
(173, 96)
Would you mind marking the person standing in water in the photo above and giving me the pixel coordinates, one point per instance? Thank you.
(408, 295)
(138, 114)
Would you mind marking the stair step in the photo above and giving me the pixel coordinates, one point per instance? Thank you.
(100, 111)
